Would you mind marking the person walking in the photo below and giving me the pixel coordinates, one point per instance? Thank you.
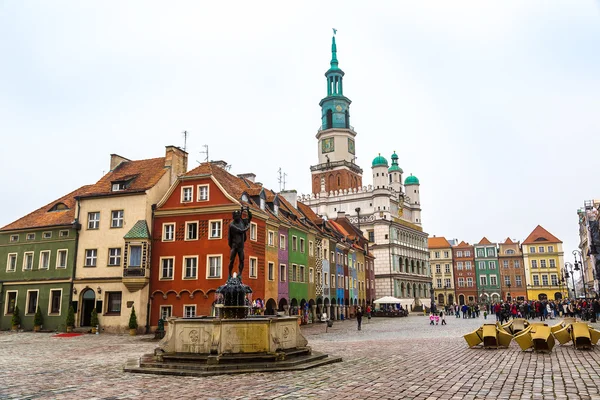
(359, 315)
(443, 317)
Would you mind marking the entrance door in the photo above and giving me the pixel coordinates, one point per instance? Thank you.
(461, 300)
(88, 304)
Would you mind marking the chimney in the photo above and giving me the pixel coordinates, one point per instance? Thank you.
(177, 160)
(291, 196)
(249, 176)
(115, 160)
(219, 163)
(341, 215)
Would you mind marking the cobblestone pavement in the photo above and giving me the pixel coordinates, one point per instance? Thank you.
(401, 358)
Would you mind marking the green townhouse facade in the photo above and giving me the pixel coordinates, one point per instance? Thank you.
(39, 251)
(487, 272)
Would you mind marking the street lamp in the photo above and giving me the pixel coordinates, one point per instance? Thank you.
(577, 268)
(562, 283)
(567, 271)
(432, 307)
(508, 296)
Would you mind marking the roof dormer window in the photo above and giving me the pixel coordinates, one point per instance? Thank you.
(118, 186)
(59, 207)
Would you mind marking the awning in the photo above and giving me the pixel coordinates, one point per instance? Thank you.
(388, 300)
(426, 302)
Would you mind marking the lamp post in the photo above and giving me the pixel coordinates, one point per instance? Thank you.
(562, 283)
(432, 307)
(577, 268)
(508, 296)
(567, 271)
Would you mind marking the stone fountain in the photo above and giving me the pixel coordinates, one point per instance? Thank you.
(232, 342)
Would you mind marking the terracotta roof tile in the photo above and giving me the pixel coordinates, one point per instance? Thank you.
(539, 234)
(508, 241)
(438, 243)
(44, 217)
(484, 241)
(463, 244)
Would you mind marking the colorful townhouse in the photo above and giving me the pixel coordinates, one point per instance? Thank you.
(543, 258)
(512, 271)
(486, 261)
(465, 277)
(440, 256)
(40, 250)
(113, 260)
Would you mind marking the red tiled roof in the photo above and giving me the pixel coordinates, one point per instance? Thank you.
(539, 234)
(145, 174)
(484, 241)
(508, 241)
(463, 244)
(438, 243)
(339, 228)
(43, 217)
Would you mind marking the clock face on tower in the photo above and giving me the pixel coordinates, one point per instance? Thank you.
(327, 145)
(338, 108)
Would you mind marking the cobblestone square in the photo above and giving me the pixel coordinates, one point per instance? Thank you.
(403, 358)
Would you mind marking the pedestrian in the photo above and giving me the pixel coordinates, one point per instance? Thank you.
(359, 315)
(443, 317)
(431, 319)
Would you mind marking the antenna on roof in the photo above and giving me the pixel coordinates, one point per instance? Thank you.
(204, 152)
(185, 135)
(281, 179)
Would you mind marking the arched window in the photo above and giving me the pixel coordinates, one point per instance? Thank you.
(339, 180)
(329, 122)
(347, 119)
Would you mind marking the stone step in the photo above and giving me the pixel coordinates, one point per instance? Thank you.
(234, 358)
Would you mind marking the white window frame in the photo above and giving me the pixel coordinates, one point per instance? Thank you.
(185, 306)
(543, 264)
(493, 280)
(253, 231)
(310, 248)
(302, 246)
(183, 189)
(282, 242)
(311, 275)
(58, 266)
(492, 265)
(294, 243)
(187, 224)
(518, 280)
(461, 282)
(545, 276)
(165, 307)
(25, 260)
(446, 254)
(459, 254)
(507, 280)
(6, 300)
(447, 269)
(253, 274)
(554, 279)
(210, 229)
(14, 238)
(533, 278)
(208, 257)
(161, 269)
(207, 186)
(271, 271)
(184, 267)
(64, 233)
(532, 249)
(552, 263)
(469, 281)
(516, 264)
(294, 273)
(85, 258)
(505, 263)
(164, 232)
(50, 313)
(483, 280)
(30, 236)
(459, 266)
(25, 311)
(120, 256)
(40, 266)
(467, 265)
(481, 265)
(8, 258)
(47, 235)
(541, 249)
(302, 273)
(283, 276)
(550, 249)
(271, 238)
(534, 264)
(93, 224)
(467, 253)
(326, 279)
(119, 219)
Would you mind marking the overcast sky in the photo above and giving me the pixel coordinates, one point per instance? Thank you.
(492, 105)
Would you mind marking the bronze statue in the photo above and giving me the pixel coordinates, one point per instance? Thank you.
(237, 237)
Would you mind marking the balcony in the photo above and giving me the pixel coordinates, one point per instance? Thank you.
(135, 278)
(331, 165)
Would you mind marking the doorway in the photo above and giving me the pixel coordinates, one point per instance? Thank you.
(88, 303)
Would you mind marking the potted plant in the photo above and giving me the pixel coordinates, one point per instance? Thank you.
(94, 320)
(38, 320)
(133, 325)
(70, 322)
(16, 319)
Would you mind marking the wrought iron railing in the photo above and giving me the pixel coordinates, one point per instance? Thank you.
(137, 272)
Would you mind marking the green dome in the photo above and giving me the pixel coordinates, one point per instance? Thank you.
(379, 161)
(395, 168)
(394, 156)
(411, 180)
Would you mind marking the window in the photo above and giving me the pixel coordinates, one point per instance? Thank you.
(467, 253)
(271, 238)
(490, 252)
(44, 259)
(533, 263)
(459, 265)
(554, 280)
(459, 253)
(447, 268)
(552, 263)
(114, 257)
(461, 282)
(63, 234)
(302, 276)
(93, 220)
(191, 230)
(493, 280)
(55, 300)
(332, 259)
(536, 280)
(30, 236)
(545, 280)
(118, 186)
(294, 276)
(506, 280)
(446, 254)
(166, 268)
(189, 311)
(346, 282)
(483, 280)
(439, 283)
(202, 192)
(532, 249)
(550, 249)
(438, 269)
(294, 243)
(447, 282)
(282, 273)
(469, 282)
(168, 232)
(271, 271)
(332, 280)
(518, 280)
(253, 230)
(542, 263)
(517, 264)
(47, 235)
(11, 262)
(253, 267)
(11, 302)
(14, 238)
(116, 219)
(492, 265)
(190, 267)
(214, 266)
(509, 251)
(28, 261)
(91, 256)
(166, 312)
(282, 242)
(318, 281)
(187, 194)
(326, 279)
(135, 256)
(436, 254)
(310, 249)
(481, 264)
(505, 263)
(32, 300)
(480, 253)
(114, 303)
(540, 249)
(468, 265)
(61, 259)
(215, 229)
(371, 235)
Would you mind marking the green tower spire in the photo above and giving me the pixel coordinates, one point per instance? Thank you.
(334, 61)
(335, 108)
